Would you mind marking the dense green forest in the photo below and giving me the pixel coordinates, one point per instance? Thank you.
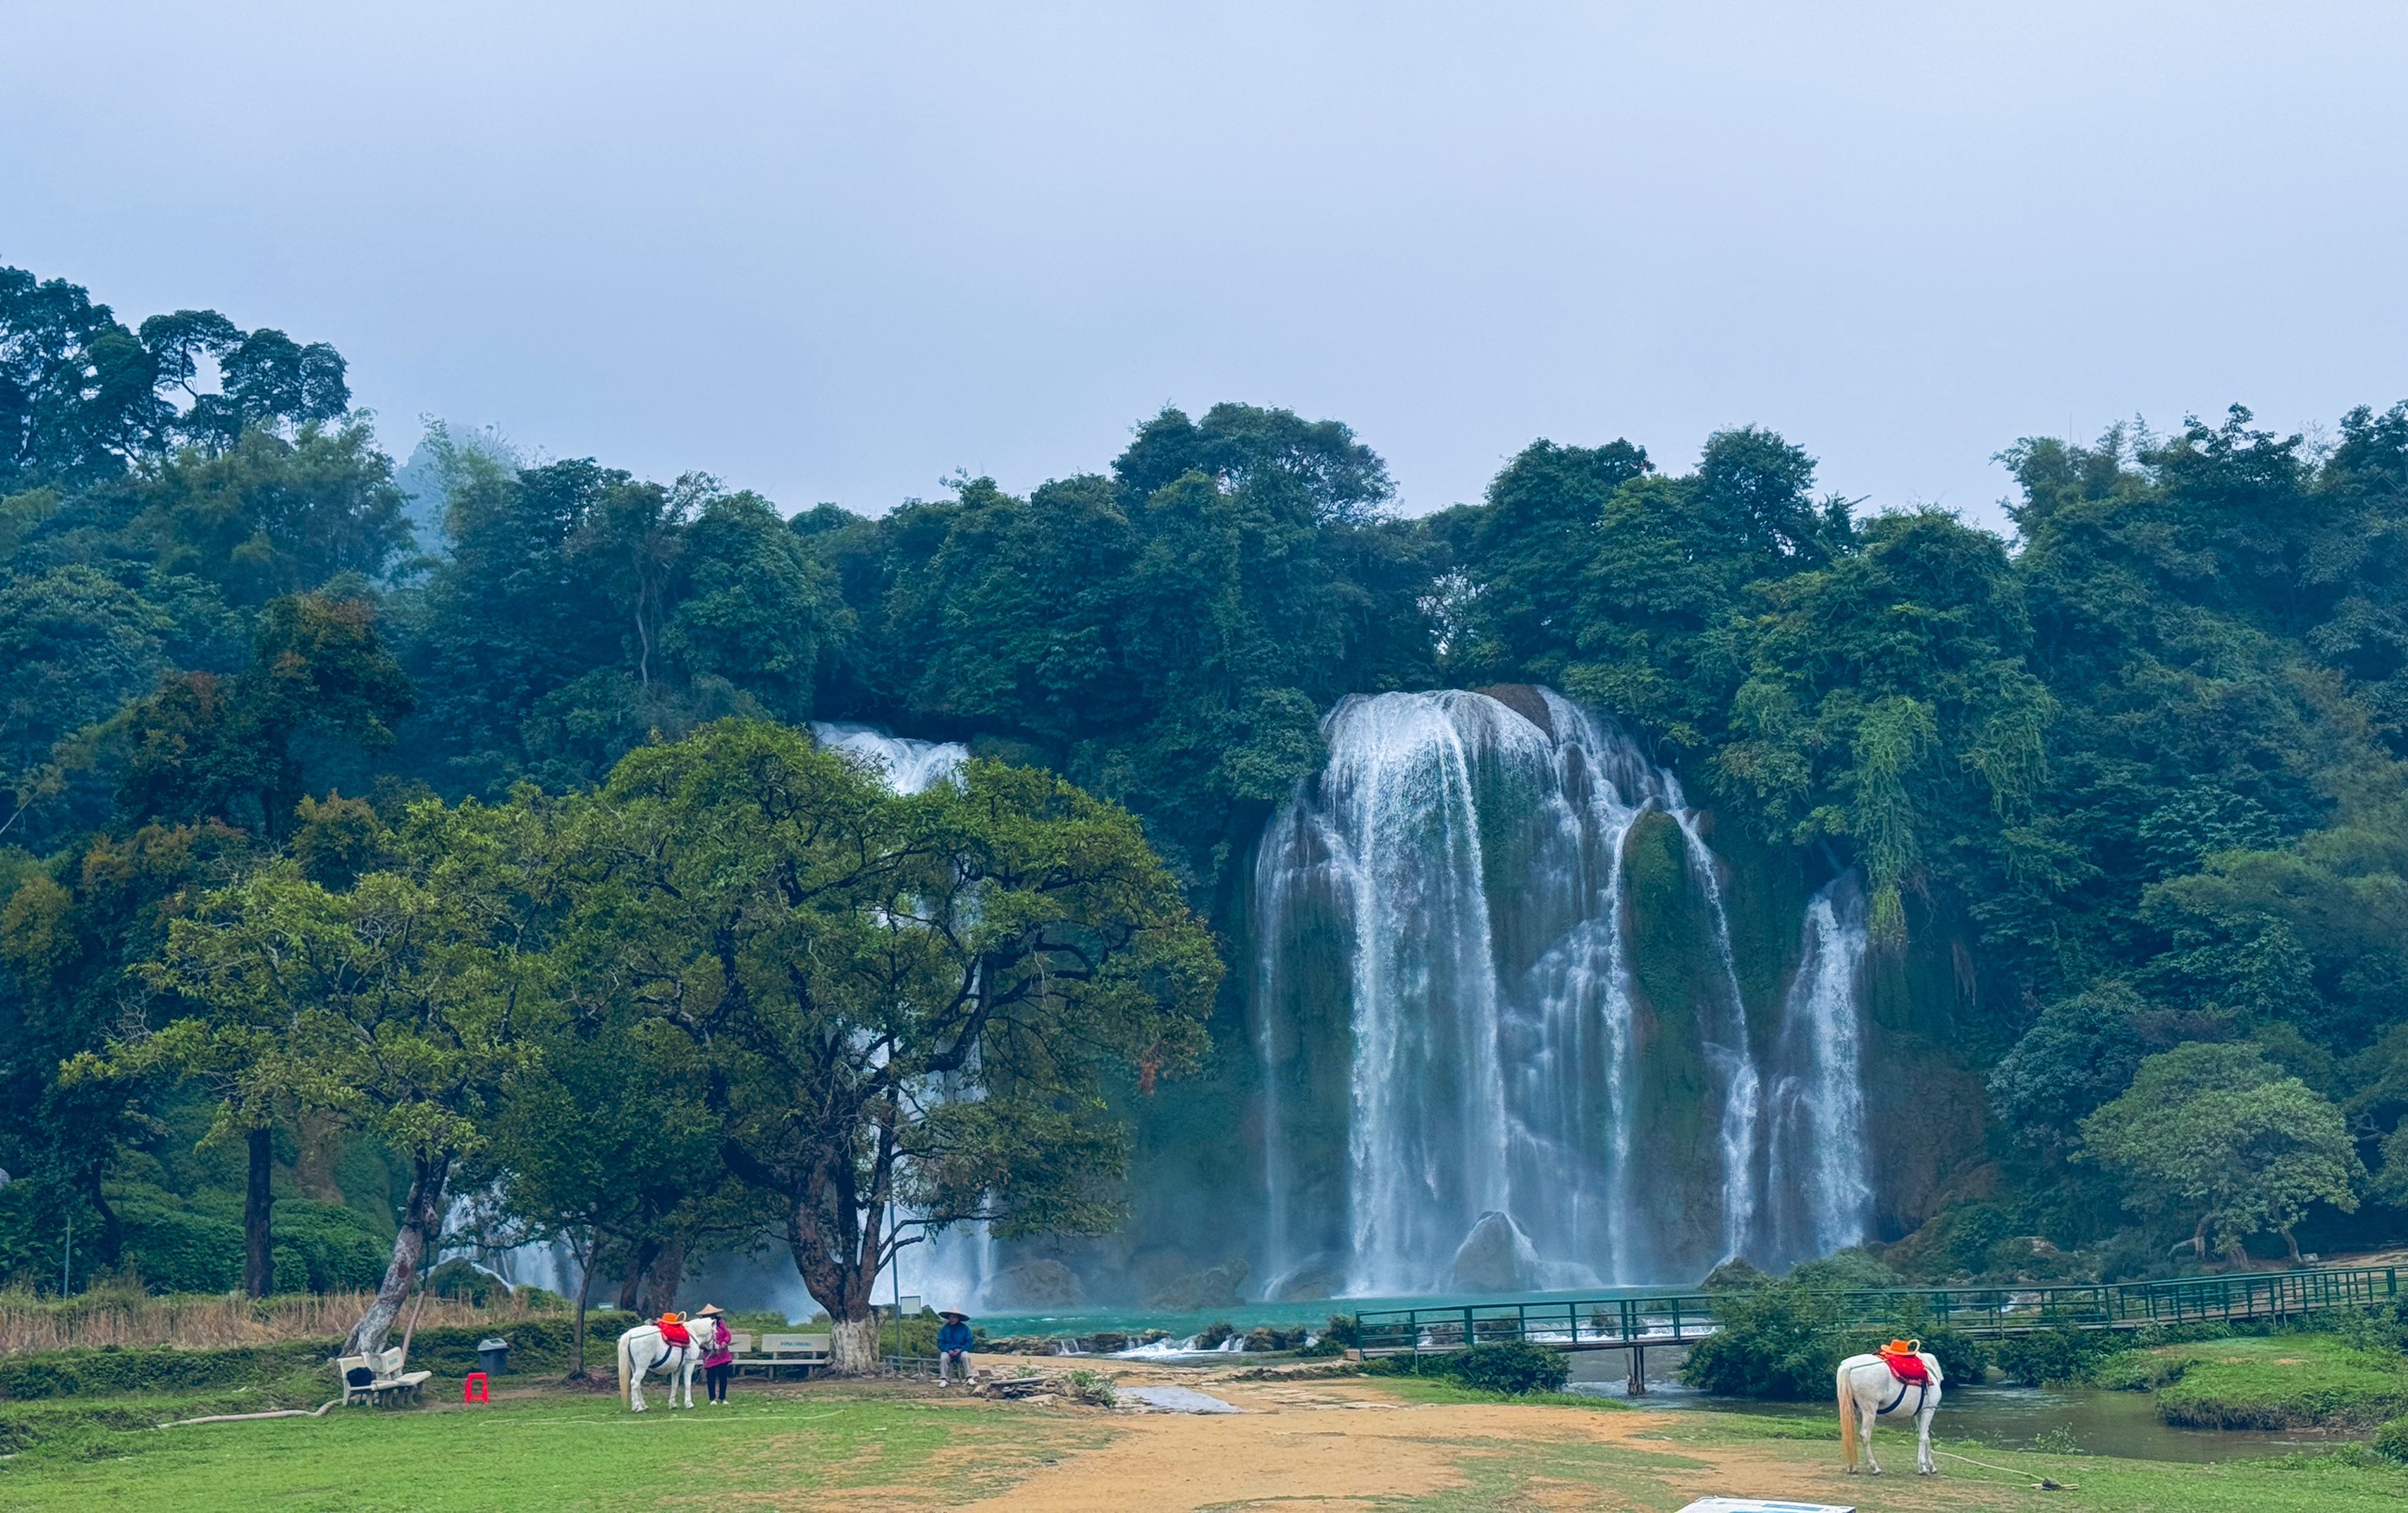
(347, 832)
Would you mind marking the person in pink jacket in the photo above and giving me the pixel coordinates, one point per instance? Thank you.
(718, 1359)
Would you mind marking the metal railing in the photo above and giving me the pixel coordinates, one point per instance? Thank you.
(1612, 1323)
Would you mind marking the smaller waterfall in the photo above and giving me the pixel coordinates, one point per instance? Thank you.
(946, 1270)
(911, 766)
(1821, 1155)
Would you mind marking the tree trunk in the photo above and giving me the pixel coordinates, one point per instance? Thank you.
(2199, 1239)
(852, 1345)
(421, 1225)
(2290, 1242)
(584, 1286)
(259, 1210)
(662, 1277)
(640, 1259)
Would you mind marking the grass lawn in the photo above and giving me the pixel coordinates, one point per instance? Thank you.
(2280, 1381)
(545, 1451)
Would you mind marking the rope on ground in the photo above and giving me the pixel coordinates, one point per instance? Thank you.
(318, 1412)
(2043, 1485)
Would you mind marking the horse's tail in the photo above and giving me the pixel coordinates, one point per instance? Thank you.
(1847, 1418)
(626, 1364)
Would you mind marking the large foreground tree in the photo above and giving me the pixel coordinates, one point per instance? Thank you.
(907, 1004)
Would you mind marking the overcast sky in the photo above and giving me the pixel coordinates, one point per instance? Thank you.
(839, 252)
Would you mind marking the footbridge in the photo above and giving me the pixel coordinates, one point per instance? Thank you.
(1633, 1323)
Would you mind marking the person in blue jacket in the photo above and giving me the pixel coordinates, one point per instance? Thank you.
(953, 1345)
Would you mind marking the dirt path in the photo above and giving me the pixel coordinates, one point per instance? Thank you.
(1348, 1445)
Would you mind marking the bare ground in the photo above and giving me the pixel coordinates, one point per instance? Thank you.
(1358, 1444)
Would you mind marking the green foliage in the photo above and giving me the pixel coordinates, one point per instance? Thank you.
(1170, 634)
(1781, 1340)
(1516, 1369)
(2061, 1355)
(324, 1247)
(2391, 1439)
(2081, 1052)
(2215, 1133)
(824, 943)
(175, 1250)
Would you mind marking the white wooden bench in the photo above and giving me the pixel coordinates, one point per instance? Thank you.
(806, 1353)
(377, 1376)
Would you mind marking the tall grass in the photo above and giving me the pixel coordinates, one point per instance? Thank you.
(130, 1319)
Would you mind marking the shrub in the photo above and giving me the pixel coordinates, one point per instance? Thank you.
(176, 1250)
(2053, 1355)
(1094, 1387)
(1851, 1269)
(1511, 1369)
(2391, 1441)
(1780, 1341)
(1516, 1368)
(324, 1247)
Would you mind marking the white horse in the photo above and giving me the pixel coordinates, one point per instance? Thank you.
(1867, 1392)
(643, 1349)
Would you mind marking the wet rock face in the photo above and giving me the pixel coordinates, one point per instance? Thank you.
(1323, 1276)
(1034, 1285)
(1523, 700)
(1212, 1288)
(1490, 1258)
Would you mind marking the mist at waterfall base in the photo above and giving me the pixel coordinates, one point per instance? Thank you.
(1466, 1072)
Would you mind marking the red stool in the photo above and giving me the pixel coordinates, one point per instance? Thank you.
(472, 1388)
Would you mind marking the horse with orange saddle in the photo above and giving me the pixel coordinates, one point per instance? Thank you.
(1901, 1380)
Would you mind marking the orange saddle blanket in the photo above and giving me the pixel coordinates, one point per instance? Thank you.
(1905, 1363)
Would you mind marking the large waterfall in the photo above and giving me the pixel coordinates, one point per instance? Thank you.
(1465, 1085)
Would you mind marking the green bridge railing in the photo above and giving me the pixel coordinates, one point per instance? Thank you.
(1673, 1319)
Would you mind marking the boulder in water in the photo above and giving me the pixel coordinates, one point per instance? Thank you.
(1494, 1257)
(1320, 1277)
(1033, 1285)
(1215, 1286)
(1523, 700)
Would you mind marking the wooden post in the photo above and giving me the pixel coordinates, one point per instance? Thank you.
(1638, 1387)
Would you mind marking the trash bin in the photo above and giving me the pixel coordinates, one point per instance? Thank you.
(493, 1354)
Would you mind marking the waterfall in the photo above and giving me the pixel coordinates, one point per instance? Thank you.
(1443, 911)
(908, 766)
(1821, 1159)
(948, 1270)
(1464, 1087)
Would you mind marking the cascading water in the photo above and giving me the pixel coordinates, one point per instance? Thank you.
(948, 1270)
(1822, 1185)
(1462, 1087)
(911, 766)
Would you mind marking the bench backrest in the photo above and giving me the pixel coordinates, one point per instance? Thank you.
(813, 1345)
(740, 1341)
